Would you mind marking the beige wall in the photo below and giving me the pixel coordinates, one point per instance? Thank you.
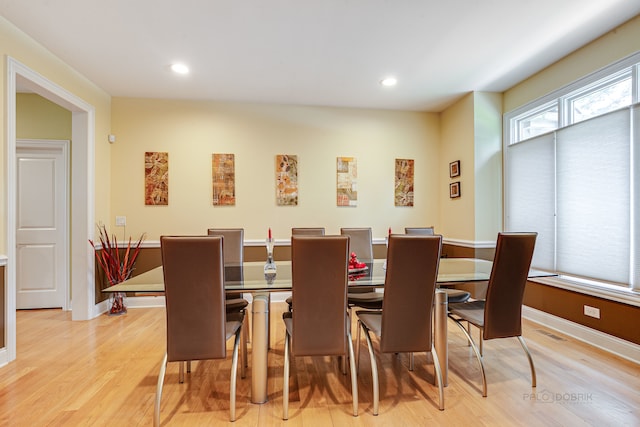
(191, 131)
(457, 143)
(39, 118)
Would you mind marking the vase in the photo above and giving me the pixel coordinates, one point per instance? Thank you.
(270, 265)
(117, 304)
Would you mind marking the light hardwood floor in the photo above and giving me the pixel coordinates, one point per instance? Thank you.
(104, 372)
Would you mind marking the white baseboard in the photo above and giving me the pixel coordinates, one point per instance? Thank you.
(100, 308)
(280, 296)
(145, 301)
(158, 301)
(625, 349)
(4, 357)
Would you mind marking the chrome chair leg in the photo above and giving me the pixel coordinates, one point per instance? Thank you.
(344, 360)
(359, 325)
(478, 356)
(234, 375)
(374, 372)
(438, 376)
(247, 329)
(533, 369)
(285, 384)
(411, 361)
(181, 372)
(243, 347)
(156, 410)
(354, 375)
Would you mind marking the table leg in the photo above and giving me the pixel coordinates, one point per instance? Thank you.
(440, 334)
(259, 347)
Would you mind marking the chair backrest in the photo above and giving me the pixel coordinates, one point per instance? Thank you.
(360, 242)
(195, 298)
(409, 292)
(233, 243)
(319, 294)
(421, 231)
(503, 305)
(307, 231)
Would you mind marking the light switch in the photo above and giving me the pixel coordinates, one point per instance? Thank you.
(121, 221)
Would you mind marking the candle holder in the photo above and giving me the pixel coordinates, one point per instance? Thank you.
(270, 265)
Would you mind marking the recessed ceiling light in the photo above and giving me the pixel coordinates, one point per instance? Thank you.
(389, 81)
(180, 68)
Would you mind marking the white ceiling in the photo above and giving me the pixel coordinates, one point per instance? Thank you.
(314, 52)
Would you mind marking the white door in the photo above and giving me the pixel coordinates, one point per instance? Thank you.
(42, 264)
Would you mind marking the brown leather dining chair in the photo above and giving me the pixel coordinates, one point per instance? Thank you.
(197, 325)
(361, 242)
(404, 325)
(307, 231)
(319, 324)
(500, 314)
(421, 231)
(304, 231)
(453, 295)
(233, 249)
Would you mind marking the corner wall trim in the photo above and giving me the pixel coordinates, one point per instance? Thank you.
(625, 349)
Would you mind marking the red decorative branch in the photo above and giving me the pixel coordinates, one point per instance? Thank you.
(115, 268)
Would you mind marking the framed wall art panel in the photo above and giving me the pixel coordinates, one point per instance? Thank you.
(403, 189)
(347, 181)
(156, 178)
(286, 180)
(223, 179)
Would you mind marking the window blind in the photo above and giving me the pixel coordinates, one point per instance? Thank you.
(530, 201)
(574, 187)
(593, 197)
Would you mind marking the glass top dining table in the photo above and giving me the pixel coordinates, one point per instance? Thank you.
(249, 277)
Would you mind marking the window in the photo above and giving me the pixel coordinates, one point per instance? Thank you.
(608, 95)
(537, 122)
(571, 163)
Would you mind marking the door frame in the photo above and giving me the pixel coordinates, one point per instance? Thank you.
(63, 147)
(82, 196)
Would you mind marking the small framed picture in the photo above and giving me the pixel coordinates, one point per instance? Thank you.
(454, 189)
(454, 169)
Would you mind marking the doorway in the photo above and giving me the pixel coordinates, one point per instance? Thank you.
(81, 197)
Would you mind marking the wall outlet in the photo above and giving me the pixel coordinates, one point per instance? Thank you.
(121, 221)
(591, 311)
